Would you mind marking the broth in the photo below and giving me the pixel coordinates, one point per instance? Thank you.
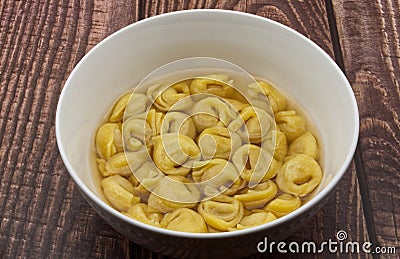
(152, 214)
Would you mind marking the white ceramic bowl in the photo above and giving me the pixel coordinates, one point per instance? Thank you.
(262, 47)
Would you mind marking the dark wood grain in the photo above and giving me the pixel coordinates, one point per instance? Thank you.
(43, 215)
(307, 17)
(344, 211)
(154, 7)
(369, 38)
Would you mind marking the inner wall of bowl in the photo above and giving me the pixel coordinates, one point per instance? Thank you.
(261, 47)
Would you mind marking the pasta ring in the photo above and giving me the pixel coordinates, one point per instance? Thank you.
(300, 175)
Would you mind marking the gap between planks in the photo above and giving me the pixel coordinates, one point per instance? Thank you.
(358, 158)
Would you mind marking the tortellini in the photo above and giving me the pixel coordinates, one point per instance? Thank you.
(276, 144)
(200, 156)
(254, 121)
(255, 163)
(212, 84)
(122, 163)
(178, 122)
(222, 212)
(216, 176)
(119, 192)
(119, 108)
(291, 124)
(258, 196)
(136, 134)
(137, 105)
(176, 195)
(108, 140)
(256, 218)
(145, 170)
(305, 144)
(238, 105)
(155, 120)
(171, 151)
(218, 142)
(140, 211)
(300, 175)
(277, 100)
(147, 178)
(283, 204)
(166, 98)
(185, 220)
(212, 111)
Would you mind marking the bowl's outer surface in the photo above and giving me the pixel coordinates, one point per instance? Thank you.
(209, 247)
(262, 47)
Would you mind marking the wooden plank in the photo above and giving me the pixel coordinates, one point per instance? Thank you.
(154, 7)
(41, 213)
(369, 38)
(344, 211)
(307, 17)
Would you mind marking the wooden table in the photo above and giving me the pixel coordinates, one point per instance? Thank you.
(42, 215)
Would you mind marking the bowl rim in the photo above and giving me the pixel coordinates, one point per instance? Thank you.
(264, 227)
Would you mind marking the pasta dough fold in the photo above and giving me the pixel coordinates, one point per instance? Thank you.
(174, 154)
(254, 123)
(258, 196)
(212, 111)
(276, 100)
(155, 120)
(305, 144)
(218, 142)
(299, 175)
(215, 177)
(136, 133)
(178, 122)
(276, 144)
(255, 164)
(165, 98)
(108, 140)
(213, 85)
(140, 212)
(184, 220)
(283, 204)
(119, 192)
(222, 212)
(170, 194)
(256, 218)
(137, 106)
(291, 124)
(238, 105)
(122, 163)
(119, 108)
